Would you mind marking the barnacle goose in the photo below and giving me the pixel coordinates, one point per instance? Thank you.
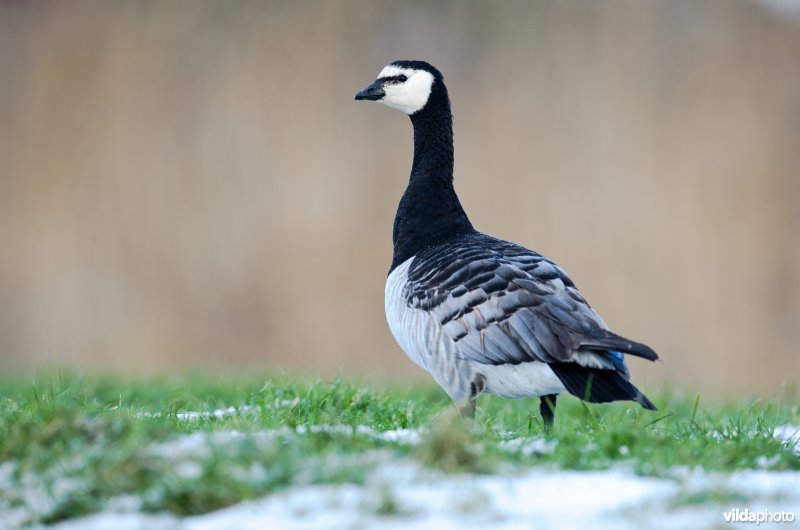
(478, 313)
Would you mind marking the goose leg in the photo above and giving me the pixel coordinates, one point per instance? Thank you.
(547, 408)
(467, 410)
(476, 388)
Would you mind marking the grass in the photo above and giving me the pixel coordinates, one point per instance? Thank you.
(69, 444)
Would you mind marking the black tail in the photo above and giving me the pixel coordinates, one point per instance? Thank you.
(614, 342)
(598, 386)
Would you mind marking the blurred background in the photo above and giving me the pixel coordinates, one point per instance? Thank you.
(189, 186)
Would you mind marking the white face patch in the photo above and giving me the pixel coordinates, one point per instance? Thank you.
(410, 95)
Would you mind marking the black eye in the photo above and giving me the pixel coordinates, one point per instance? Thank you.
(402, 78)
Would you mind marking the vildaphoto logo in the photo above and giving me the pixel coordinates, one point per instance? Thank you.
(735, 515)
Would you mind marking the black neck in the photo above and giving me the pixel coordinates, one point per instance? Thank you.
(429, 210)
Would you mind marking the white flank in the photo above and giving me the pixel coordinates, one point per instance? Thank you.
(521, 380)
(409, 326)
(409, 96)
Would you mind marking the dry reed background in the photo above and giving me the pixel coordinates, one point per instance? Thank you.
(189, 185)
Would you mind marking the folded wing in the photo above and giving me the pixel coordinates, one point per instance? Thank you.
(501, 303)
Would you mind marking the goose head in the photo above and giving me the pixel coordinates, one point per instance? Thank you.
(403, 85)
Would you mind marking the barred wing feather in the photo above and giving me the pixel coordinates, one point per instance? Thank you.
(501, 303)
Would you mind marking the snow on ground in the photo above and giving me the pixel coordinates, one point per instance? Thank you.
(199, 444)
(790, 435)
(404, 496)
(399, 494)
(242, 410)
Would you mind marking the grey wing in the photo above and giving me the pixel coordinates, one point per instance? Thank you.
(503, 304)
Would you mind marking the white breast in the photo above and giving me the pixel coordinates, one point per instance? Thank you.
(422, 338)
(409, 326)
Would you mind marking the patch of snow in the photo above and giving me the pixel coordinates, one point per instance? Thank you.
(7, 470)
(187, 452)
(31, 494)
(197, 442)
(336, 428)
(399, 436)
(401, 495)
(241, 410)
(125, 503)
(402, 436)
(398, 494)
(766, 463)
(200, 443)
(789, 435)
(528, 446)
(188, 469)
(748, 483)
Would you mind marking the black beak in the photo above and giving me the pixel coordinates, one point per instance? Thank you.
(373, 92)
